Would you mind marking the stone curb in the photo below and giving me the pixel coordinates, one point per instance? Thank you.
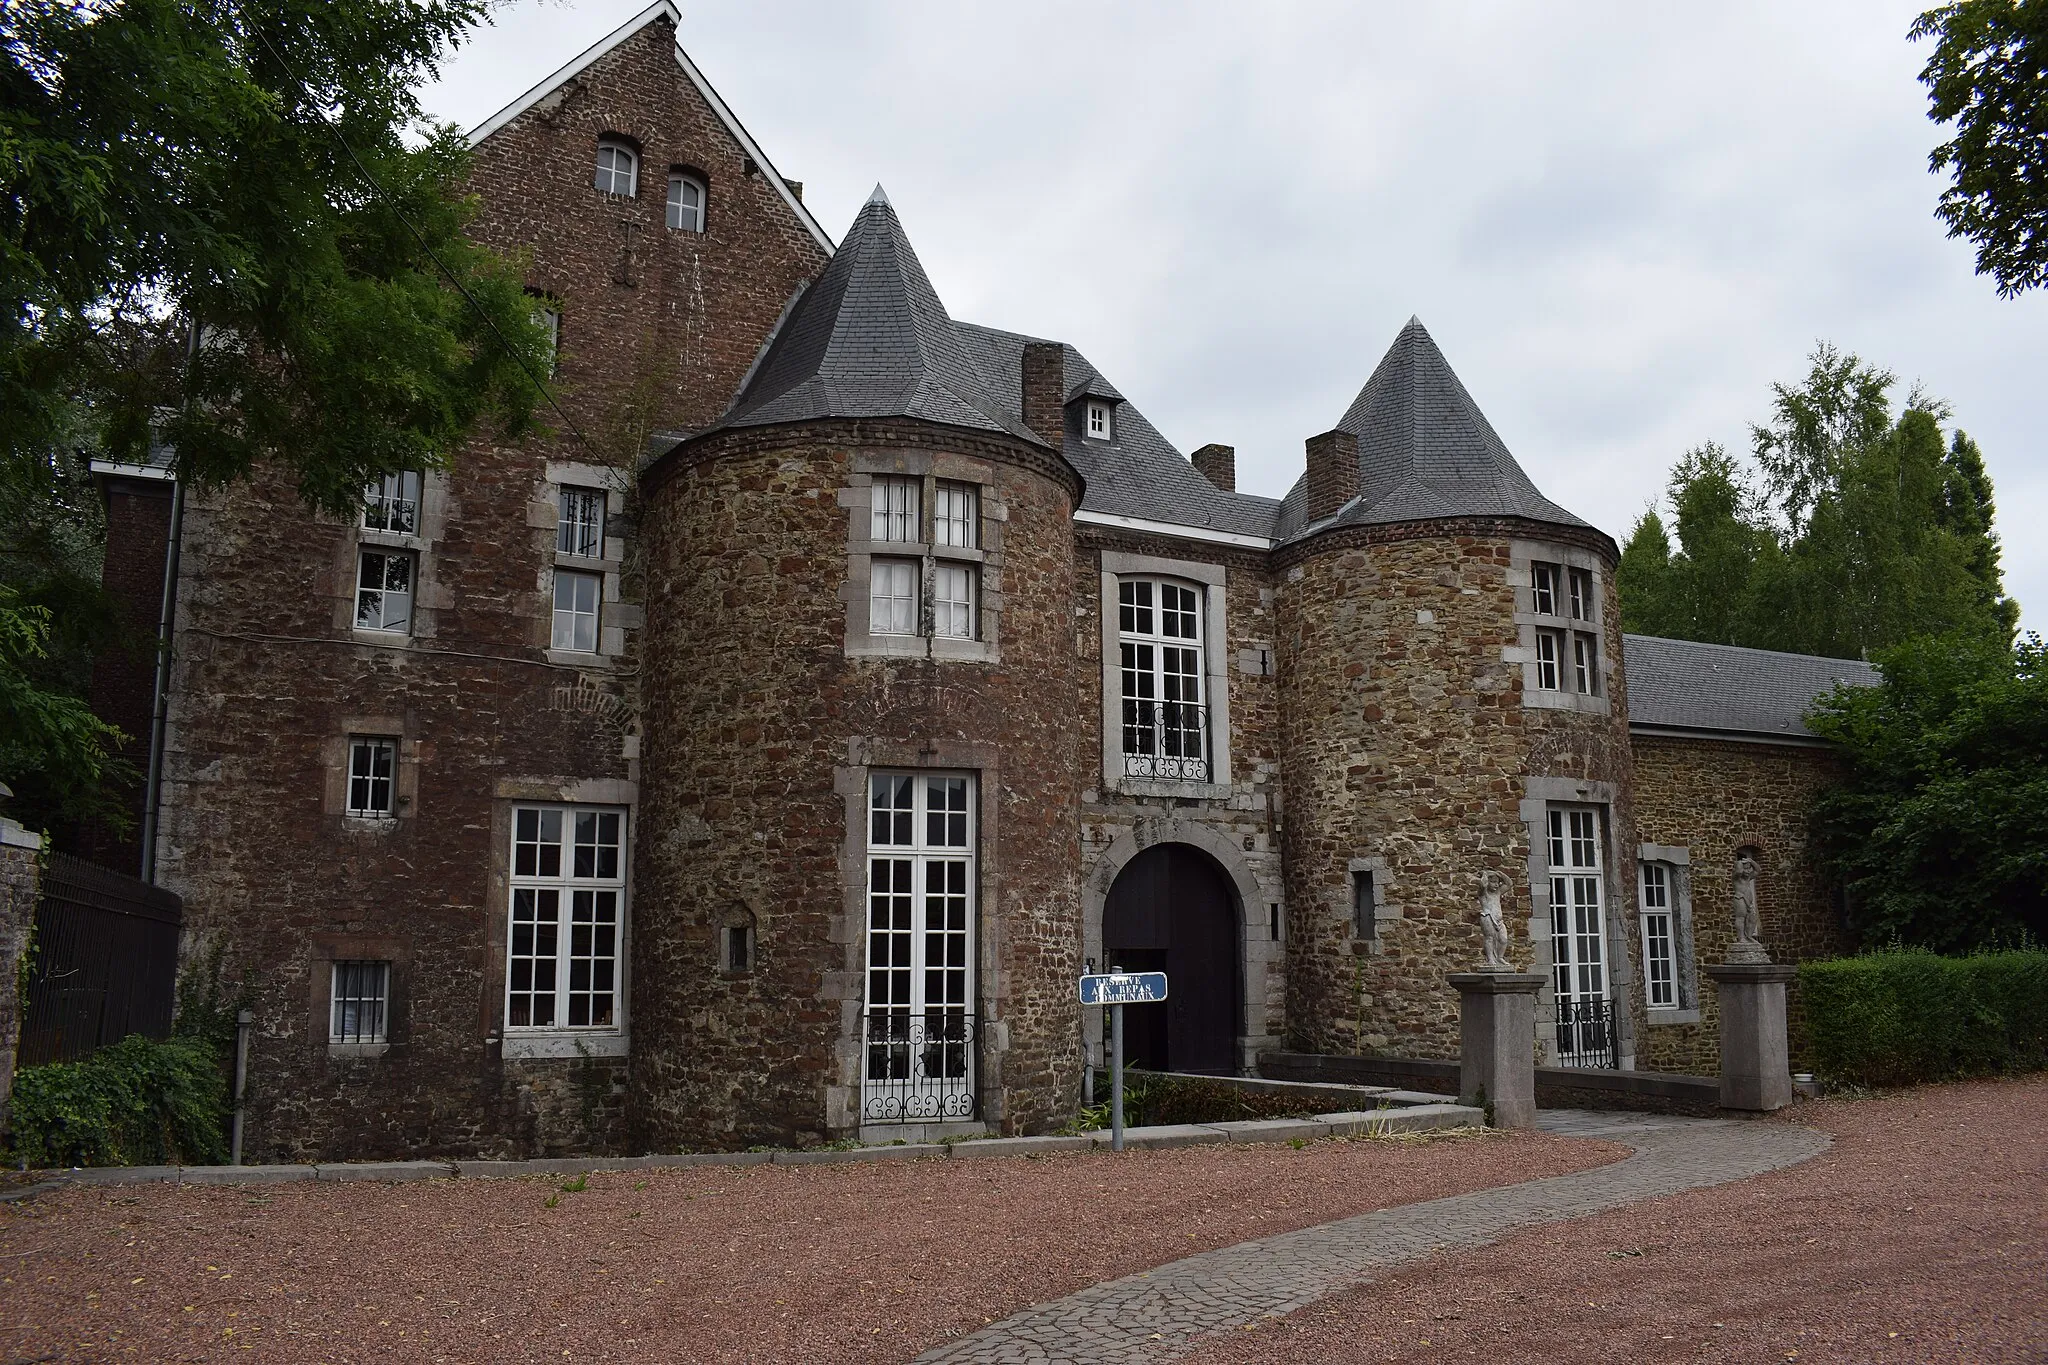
(1156, 1138)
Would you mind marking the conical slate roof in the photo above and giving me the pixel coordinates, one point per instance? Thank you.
(1425, 450)
(871, 339)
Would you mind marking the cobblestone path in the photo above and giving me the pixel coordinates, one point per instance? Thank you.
(1162, 1312)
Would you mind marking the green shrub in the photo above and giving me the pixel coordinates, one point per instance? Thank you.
(1153, 1098)
(1907, 1015)
(138, 1103)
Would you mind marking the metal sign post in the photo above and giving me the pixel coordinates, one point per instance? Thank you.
(1117, 989)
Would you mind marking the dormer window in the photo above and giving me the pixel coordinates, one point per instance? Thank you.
(685, 203)
(618, 168)
(1098, 420)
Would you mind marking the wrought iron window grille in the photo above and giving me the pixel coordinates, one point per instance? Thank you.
(919, 1068)
(1586, 1032)
(1166, 741)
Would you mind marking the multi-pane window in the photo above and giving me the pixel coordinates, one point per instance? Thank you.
(1549, 649)
(568, 891)
(618, 168)
(1098, 421)
(549, 317)
(393, 504)
(1577, 938)
(1543, 580)
(579, 522)
(1585, 663)
(1159, 645)
(576, 606)
(685, 203)
(895, 510)
(361, 1009)
(953, 601)
(954, 517)
(1660, 959)
(920, 947)
(371, 765)
(384, 590)
(1581, 594)
(1566, 660)
(892, 597)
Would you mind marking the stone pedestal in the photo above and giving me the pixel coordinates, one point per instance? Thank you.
(1497, 1043)
(1756, 1072)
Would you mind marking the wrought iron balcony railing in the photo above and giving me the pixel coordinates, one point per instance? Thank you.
(1166, 741)
(919, 1068)
(1585, 1032)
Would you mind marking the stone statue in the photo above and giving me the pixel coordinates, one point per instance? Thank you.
(1495, 929)
(1747, 948)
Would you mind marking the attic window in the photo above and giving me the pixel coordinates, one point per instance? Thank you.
(1098, 420)
(618, 168)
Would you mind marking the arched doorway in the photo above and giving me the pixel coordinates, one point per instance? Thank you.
(1172, 910)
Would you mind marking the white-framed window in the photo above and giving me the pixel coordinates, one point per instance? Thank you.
(956, 519)
(894, 509)
(1159, 647)
(393, 504)
(384, 581)
(372, 767)
(1543, 585)
(1586, 663)
(549, 316)
(1578, 944)
(685, 203)
(1549, 659)
(361, 1003)
(1581, 594)
(568, 898)
(1660, 953)
(618, 168)
(576, 606)
(892, 597)
(953, 600)
(1098, 421)
(919, 1053)
(579, 522)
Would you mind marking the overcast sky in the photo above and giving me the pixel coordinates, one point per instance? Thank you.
(1621, 222)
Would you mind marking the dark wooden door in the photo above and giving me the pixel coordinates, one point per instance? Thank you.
(1172, 911)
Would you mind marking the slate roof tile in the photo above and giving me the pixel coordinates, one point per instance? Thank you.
(1686, 685)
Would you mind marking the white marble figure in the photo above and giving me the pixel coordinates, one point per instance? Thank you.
(1495, 928)
(1747, 947)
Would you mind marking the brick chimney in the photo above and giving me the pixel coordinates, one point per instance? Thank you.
(1218, 464)
(1332, 472)
(1045, 391)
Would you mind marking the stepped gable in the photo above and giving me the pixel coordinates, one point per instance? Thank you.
(1139, 474)
(871, 339)
(1425, 450)
(1685, 685)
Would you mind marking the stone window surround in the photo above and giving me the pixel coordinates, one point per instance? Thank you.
(428, 597)
(326, 949)
(1117, 564)
(848, 986)
(1685, 968)
(615, 617)
(861, 551)
(405, 780)
(557, 1042)
(1522, 556)
(1540, 793)
(1384, 912)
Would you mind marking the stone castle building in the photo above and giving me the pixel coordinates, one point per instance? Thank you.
(760, 755)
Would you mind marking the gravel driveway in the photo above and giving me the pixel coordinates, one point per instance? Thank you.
(755, 1264)
(1921, 1235)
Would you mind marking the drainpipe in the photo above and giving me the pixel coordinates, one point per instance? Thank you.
(243, 1020)
(160, 705)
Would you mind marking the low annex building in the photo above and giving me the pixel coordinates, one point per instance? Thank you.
(765, 765)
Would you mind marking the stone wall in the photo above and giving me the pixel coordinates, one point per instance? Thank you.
(124, 676)
(20, 852)
(270, 678)
(763, 724)
(1405, 740)
(1712, 797)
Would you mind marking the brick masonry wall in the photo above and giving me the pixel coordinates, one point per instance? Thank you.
(761, 729)
(1404, 737)
(268, 674)
(1712, 797)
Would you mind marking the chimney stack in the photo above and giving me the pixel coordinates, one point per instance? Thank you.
(1218, 464)
(1045, 391)
(1332, 472)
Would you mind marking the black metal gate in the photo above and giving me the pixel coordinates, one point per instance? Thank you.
(104, 965)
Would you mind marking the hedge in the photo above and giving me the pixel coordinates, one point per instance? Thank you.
(140, 1102)
(1907, 1015)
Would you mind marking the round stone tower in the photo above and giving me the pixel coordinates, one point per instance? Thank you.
(1450, 666)
(857, 877)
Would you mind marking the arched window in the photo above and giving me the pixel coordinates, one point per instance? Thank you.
(685, 202)
(618, 168)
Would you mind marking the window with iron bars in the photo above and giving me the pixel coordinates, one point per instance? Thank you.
(361, 1003)
(1159, 646)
